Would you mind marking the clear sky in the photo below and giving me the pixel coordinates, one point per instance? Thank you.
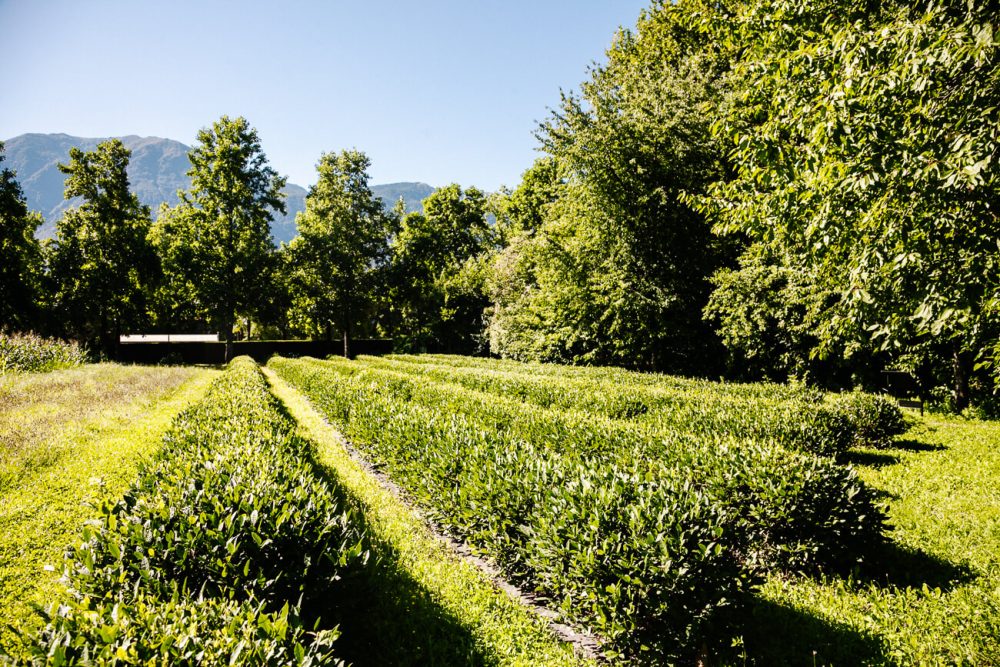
(437, 91)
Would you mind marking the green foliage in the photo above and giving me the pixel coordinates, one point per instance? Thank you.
(230, 532)
(877, 419)
(101, 264)
(28, 353)
(647, 535)
(216, 244)
(864, 139)
(342, 247)
(611, 266)
(437, 281)
(20, 255)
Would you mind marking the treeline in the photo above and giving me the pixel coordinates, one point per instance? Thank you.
(759, 189)
(356, 267)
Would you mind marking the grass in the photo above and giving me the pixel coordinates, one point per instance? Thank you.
(64, 436)
(428, 606)
(933, 597)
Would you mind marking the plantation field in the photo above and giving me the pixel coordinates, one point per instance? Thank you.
(681, 519)
(280, 516)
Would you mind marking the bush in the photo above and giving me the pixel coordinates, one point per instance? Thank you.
(876, 419)
(28, 353)
(229, 532)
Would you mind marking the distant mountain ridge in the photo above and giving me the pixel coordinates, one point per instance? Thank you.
(157, 170)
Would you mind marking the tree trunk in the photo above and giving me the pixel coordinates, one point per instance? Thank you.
(227, 328)
(347, 331)
(960, 368)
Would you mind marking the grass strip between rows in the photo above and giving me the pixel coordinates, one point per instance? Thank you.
(503, 631)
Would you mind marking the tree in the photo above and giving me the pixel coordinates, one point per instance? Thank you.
(216, 243)
(617, 269)
(866, 144)
(101, 263)
(341, 247)
(437, 283)
(20, 255)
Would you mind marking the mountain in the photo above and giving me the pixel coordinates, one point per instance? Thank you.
(157, 170)
(412, 194)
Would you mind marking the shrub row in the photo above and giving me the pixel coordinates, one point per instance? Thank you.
(802, 422)
(795, 416)
(28, 353)
(225, 551)
(647, 540)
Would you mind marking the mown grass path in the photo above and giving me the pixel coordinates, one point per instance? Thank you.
(63, 436)
(934, 598)
(431, 607)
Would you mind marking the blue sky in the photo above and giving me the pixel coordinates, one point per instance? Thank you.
(437, 90)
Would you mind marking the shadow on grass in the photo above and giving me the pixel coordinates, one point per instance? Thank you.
(892, 565)
(777, 635)
(911, 445)
(870, 459)
(387, 618)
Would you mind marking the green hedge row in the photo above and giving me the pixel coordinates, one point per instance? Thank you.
(801, 423)
(796, 417)
(649, 541)
(228, 550)
(28, 353)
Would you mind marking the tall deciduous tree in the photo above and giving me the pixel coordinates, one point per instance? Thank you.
(341, 247)
(437, 289)
(867, 146)
(20, 255)
(101, 263)
(617, 269)
(216, 244)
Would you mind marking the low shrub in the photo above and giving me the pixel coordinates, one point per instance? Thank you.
(796, 418)
(229, 532)
(876, 418)
(28, 353)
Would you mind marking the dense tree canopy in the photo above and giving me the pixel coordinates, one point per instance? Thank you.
(616, 268)
(216, 244)
(341, 250)
(436, 284)
(866, 143)
(20, 255)
(101, 264)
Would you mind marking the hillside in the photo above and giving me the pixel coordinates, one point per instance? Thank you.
(157, 171)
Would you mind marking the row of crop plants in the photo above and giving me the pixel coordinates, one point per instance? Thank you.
(228, 549)
(646, 531)
(796, 417)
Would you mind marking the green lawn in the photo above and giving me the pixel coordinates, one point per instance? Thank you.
(934, 598)
(64, 435)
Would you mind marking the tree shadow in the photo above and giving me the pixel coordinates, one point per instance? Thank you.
(777, 635)
(870, 459)
(892, 565)
(385, 616)
(388, 618)
(912, 445)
